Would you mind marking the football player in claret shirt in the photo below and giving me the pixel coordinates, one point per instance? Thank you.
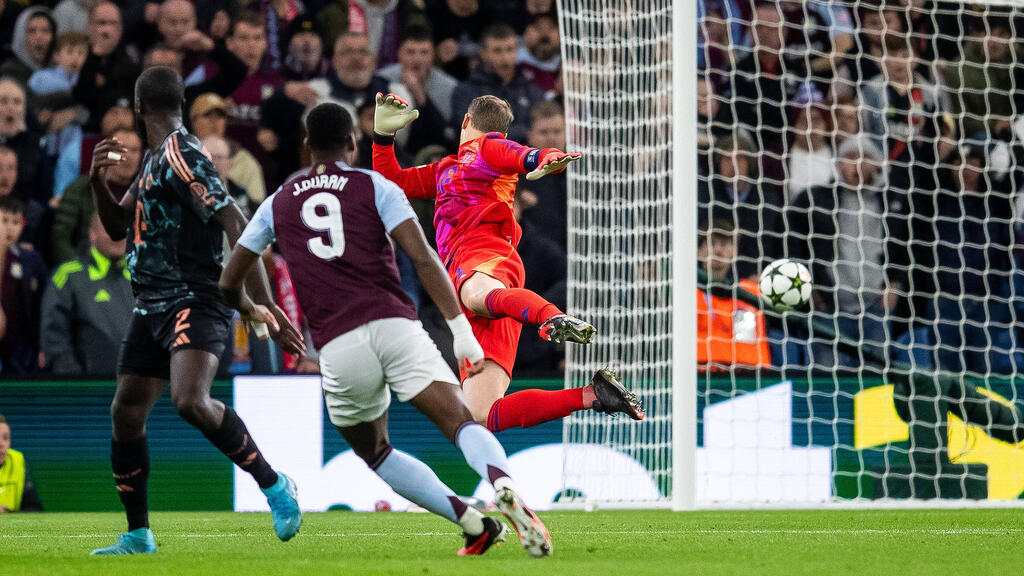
(332, 224)
(477, 237)
(174, 216)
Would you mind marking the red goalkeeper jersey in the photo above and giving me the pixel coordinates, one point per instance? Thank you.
(474, 188)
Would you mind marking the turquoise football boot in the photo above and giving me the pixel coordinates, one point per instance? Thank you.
(284, 507)
(138, 541)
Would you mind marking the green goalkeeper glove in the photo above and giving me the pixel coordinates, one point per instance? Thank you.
(392, 114)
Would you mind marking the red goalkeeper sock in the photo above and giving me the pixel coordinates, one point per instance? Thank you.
(531, 407)
(521, 304)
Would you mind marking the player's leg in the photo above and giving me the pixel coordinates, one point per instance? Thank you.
(416, 372)
(485, 391)
(192, 373)
(487, 296)
(357, 401)
(134, 398)
(443, 404)
(141, 378)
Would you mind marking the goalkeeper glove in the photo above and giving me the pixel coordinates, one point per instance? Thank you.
(392, 114)
(467, 350)
(552, 161)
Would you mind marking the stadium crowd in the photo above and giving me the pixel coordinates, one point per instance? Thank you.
(879, 142)
(252, 69)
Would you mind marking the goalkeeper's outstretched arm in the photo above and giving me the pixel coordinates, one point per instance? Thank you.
(393, 114)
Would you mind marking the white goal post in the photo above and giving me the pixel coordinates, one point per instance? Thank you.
(900, 388)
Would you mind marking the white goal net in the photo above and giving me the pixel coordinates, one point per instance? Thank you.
(878, 142)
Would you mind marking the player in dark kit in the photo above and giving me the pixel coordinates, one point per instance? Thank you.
(332, 225)
(174, 216)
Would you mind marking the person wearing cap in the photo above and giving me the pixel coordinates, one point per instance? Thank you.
(839, 230)
(304, 59)
(208, 116)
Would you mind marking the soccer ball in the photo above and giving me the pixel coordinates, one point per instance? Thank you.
(785, 284)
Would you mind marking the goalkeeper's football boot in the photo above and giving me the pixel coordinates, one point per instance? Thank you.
(612, 396)
(494, 533)
(532, 532)
(565, 328)
(284, 507)
(138, 541)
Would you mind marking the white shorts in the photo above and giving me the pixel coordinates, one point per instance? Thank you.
(361, 367)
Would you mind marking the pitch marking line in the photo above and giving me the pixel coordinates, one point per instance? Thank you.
(701, 532)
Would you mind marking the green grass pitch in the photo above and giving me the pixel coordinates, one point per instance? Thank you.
(603, 543)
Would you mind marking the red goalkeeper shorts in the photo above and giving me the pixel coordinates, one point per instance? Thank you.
(498, 259)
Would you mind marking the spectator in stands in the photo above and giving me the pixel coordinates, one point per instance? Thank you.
(973, 318)
(723, 36)
(383, 21)
(231, 70)
(248, 41)
(35, 172)
(220, 153)
(735, 192)
(430, 87)
(175, 20)
(810, 161)
(900, 108)
(539, 57)
(498, 75)
(845, 119)
(547, 268)
(713, 120)
(8, 171)
(22, 276)
(729, 332)
(52, 87)
(900, 111)
(32, 46)
(816, 32)
(19, 494)
(69, 163)
(863, 60)
(352, 79)
(209, 117)
(108, 75)
(86, 308)
(839, 231)
(547, 212)
(986, 85)
(73, 217)
(457, 25)
(759, 85)
(305, 58)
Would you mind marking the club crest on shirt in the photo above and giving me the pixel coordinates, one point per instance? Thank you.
(16, 270)
(201, 193)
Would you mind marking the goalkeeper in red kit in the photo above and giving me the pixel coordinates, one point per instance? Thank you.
(477, 237)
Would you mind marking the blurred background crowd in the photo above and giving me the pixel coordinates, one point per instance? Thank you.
(252, 69)
(879, 142)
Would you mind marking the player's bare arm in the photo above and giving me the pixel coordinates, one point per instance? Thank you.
(239, 268)
(114, 214)
(435, 280)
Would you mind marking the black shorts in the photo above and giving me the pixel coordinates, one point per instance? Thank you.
(152, 338)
